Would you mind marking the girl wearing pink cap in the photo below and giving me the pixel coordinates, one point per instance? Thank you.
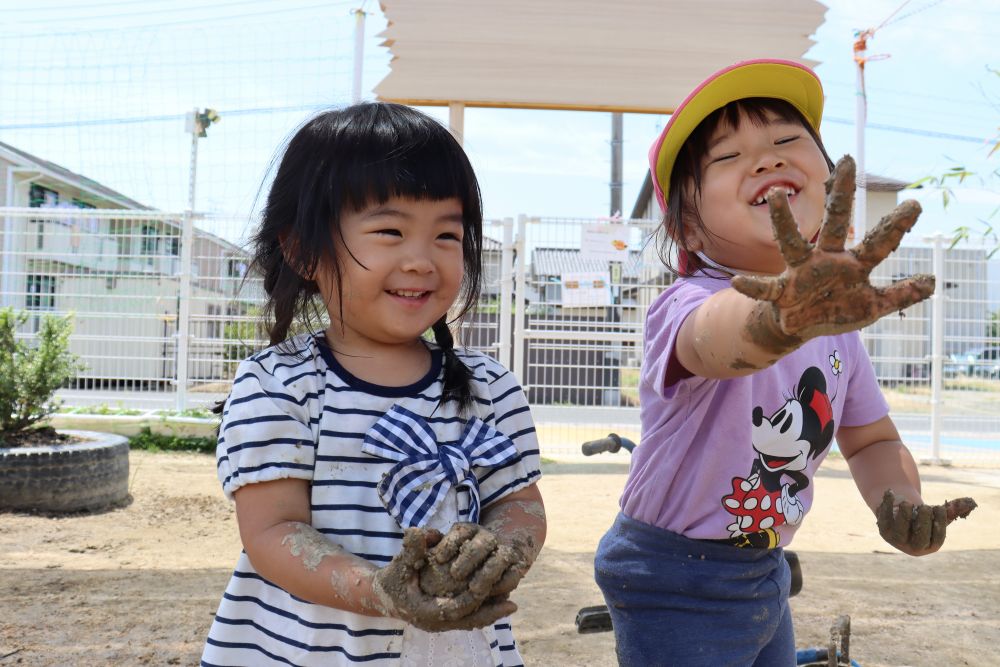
(752, 365)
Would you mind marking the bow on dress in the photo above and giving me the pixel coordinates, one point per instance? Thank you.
(425, 469)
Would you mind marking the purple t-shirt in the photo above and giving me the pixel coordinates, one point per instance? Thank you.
(734, 457)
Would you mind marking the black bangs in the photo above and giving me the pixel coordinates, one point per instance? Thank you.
(391, 152)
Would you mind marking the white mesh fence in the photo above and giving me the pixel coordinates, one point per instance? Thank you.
(578, 354)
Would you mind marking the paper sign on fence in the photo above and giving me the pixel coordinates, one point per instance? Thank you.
(586, 289)
(604, 241)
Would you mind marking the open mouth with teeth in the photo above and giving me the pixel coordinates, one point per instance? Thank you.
(761, 198)
(408, 294)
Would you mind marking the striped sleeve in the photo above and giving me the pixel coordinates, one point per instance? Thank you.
(266, 432)
(512, 417)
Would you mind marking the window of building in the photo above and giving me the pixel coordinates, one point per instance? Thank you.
(235, 268)
(149, 244)
(40, 196)
(214, 321)
(41, 292)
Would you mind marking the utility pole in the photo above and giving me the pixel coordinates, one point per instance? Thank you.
(359, 53)
(197, 123)
(860, 119)
(861, 38)
(616, 163)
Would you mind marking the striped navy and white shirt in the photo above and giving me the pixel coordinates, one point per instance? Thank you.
(295, 412)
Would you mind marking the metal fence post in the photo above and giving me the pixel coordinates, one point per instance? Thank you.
(520, 368)
(504, 312)
(937, 347)
(184, 312)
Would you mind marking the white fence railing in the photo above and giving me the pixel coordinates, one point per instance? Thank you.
(568, 322)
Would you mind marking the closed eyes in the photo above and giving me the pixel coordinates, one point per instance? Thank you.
(723, 158)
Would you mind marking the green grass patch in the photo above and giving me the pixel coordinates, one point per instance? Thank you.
(102, 409)
(197, 413)
(149, 441)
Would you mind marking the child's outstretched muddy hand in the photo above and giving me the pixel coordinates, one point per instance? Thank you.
(918, 530)
(469, 558)
(400, 595)
(825, 289)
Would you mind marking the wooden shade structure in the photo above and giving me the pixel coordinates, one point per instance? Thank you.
(636, 56)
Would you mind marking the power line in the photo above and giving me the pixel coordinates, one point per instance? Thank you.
(283, 10)
(908, 14)
(160, 118)
(34, 8)
(908, 130)
(146, 12)
(895, 91)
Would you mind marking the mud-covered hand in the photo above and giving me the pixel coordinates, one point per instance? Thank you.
(825, 289)
(469, 559)
(918, 530)
(397, 588)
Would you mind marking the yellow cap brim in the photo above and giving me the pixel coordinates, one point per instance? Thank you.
(779, 79)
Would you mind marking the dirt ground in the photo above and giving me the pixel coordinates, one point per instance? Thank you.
(139, 585)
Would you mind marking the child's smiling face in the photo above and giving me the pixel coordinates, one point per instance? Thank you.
(740, 166)
(401, 270)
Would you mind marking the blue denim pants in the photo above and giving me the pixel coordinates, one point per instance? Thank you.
(678, 601)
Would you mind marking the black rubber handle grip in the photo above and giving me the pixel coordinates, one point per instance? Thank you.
(610, 444)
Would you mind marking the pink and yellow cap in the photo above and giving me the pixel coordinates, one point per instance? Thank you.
(780, 79)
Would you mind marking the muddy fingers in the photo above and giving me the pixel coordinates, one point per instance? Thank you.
(959, 508)
(449, 545)
(793, 247)
(762, 288)
(918, 529)
(473, 553)
(885, 237)
(839, 203)
(905, 293)
(467, 559)
(484, 580)
(939, 525)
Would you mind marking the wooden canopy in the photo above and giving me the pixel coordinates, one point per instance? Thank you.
(638, 56)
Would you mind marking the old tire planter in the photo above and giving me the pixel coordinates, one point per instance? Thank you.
(76, 477)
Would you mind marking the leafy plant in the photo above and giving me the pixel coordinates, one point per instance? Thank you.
(30, 375)
(957, 176)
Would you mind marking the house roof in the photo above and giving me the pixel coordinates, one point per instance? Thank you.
(557, 261)
(629, 55)
(60, 173)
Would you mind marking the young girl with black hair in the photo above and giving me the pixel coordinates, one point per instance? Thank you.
(384, 484)
(752, 365)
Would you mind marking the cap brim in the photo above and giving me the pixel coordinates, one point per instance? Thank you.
(780, 79)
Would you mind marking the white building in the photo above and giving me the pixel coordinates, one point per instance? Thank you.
(72, 245)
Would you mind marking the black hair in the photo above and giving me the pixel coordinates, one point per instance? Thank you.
(686, 176)
(346, 160)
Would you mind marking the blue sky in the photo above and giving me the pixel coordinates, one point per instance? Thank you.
(102, 88)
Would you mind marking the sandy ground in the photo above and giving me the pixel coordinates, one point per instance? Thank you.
(139, 585)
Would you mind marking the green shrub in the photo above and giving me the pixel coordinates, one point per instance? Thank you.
(161, 442)
(30, 375)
